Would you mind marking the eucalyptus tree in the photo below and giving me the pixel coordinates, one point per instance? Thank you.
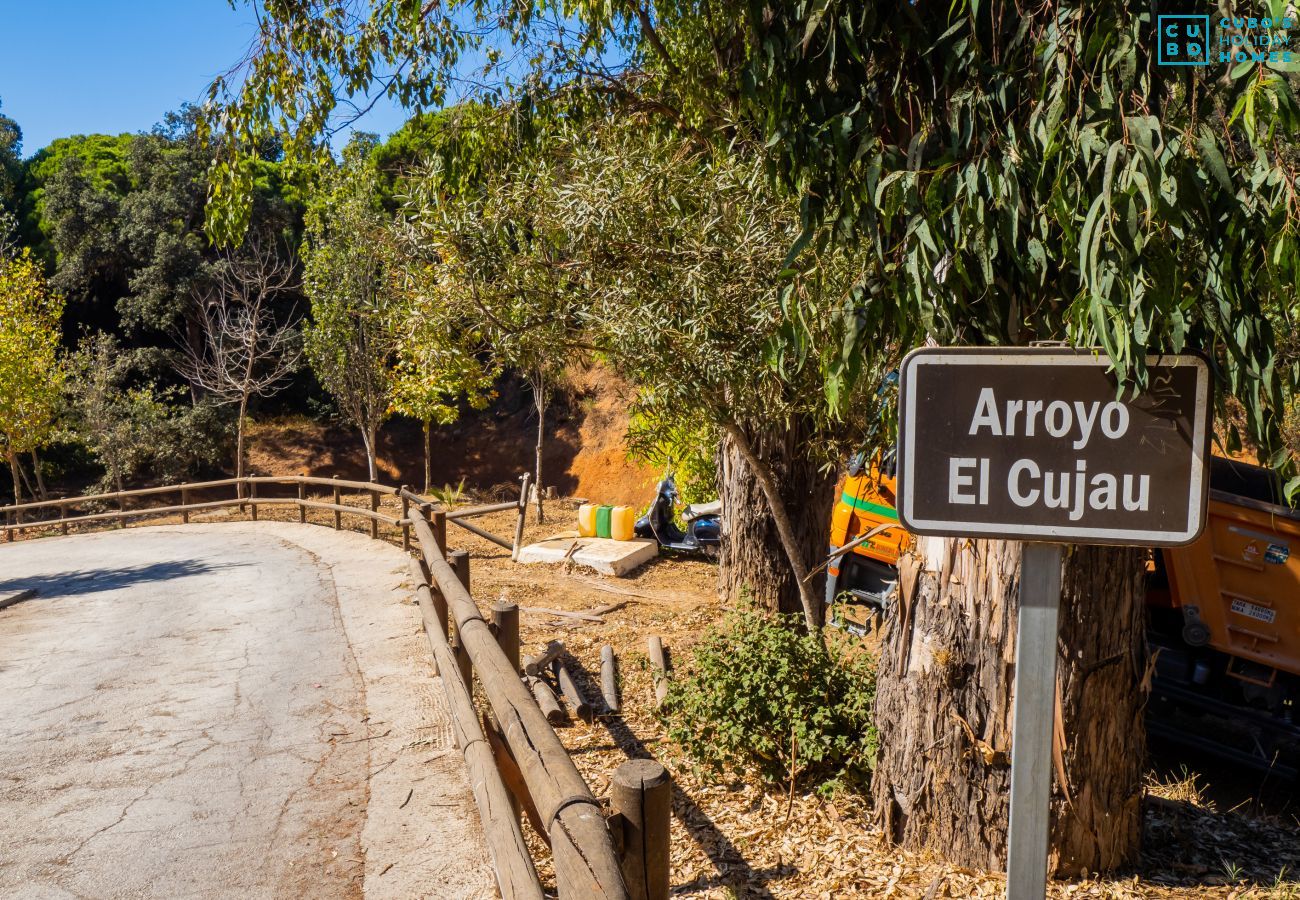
(351, 338)
(1019, 174)
(662, 257)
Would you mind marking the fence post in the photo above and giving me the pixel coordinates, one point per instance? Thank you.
(505, 621)
(185, 506)
(641, 796)
(63, 518)
(252, 496)
(440, 532)
(459, 560)
(338, 516)
(121, 508)
(406, 515)
(523, 511)
(374, 507)
(302, 495)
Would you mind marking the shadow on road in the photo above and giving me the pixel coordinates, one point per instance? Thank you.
(89, 581)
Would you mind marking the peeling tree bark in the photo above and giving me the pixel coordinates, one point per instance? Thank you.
(944, 701)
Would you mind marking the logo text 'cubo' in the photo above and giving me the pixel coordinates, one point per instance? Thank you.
(1183, 40)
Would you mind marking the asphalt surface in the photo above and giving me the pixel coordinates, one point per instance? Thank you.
(216, 711)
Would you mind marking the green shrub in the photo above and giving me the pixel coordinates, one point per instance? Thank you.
(762, 697)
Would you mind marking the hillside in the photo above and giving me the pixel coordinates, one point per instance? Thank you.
(585, 454)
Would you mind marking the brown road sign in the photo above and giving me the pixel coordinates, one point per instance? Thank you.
(1038, 444)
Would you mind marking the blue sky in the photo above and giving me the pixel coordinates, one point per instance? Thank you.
(111, 66)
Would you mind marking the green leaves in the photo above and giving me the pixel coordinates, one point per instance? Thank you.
(31, 373)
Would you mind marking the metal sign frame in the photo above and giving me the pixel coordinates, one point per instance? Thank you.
(1038, 357)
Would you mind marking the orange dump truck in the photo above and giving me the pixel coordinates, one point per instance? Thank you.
(1225, 625)
(863, 577)
(1224, 612)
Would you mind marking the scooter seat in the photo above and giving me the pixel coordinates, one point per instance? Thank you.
(700, 510)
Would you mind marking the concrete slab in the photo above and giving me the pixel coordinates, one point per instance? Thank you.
(606, 556)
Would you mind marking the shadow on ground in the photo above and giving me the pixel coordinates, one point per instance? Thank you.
(1238, 826)
(733, 871)
(89, 581)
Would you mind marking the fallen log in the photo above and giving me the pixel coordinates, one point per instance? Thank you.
(572, 693)
(546, 700)
(563, 613)
(536, 665)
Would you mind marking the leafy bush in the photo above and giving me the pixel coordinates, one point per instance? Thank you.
(761, 696)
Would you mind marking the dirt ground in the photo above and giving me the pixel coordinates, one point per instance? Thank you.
(732, 839)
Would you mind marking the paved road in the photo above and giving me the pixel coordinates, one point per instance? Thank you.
(224, 711)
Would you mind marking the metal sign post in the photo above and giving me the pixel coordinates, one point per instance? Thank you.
(1033, 714)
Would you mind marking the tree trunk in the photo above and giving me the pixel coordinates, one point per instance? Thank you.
(31, 488)
(17, 477)
(40, 479)
(428, 456)
(944, 700)
(754, 564)
(239, 438)
(368, 437)
(538, 384)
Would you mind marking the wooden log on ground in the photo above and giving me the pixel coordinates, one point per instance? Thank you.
(515, 873)
(546, 700)
(641, 796)
(562, 613)
(660, 663)
(572, 693)
(586, 865)
(609, 678)
(536, 665)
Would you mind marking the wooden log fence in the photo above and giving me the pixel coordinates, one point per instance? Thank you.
(515, 763)
(25, 516)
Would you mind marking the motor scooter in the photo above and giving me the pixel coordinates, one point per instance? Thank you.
(703, 532)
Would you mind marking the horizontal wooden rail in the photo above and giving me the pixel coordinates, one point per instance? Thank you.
(470, 512)
(483, 533)
(516, 876)
(119, 495)
(13, 512)
(586, 864)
